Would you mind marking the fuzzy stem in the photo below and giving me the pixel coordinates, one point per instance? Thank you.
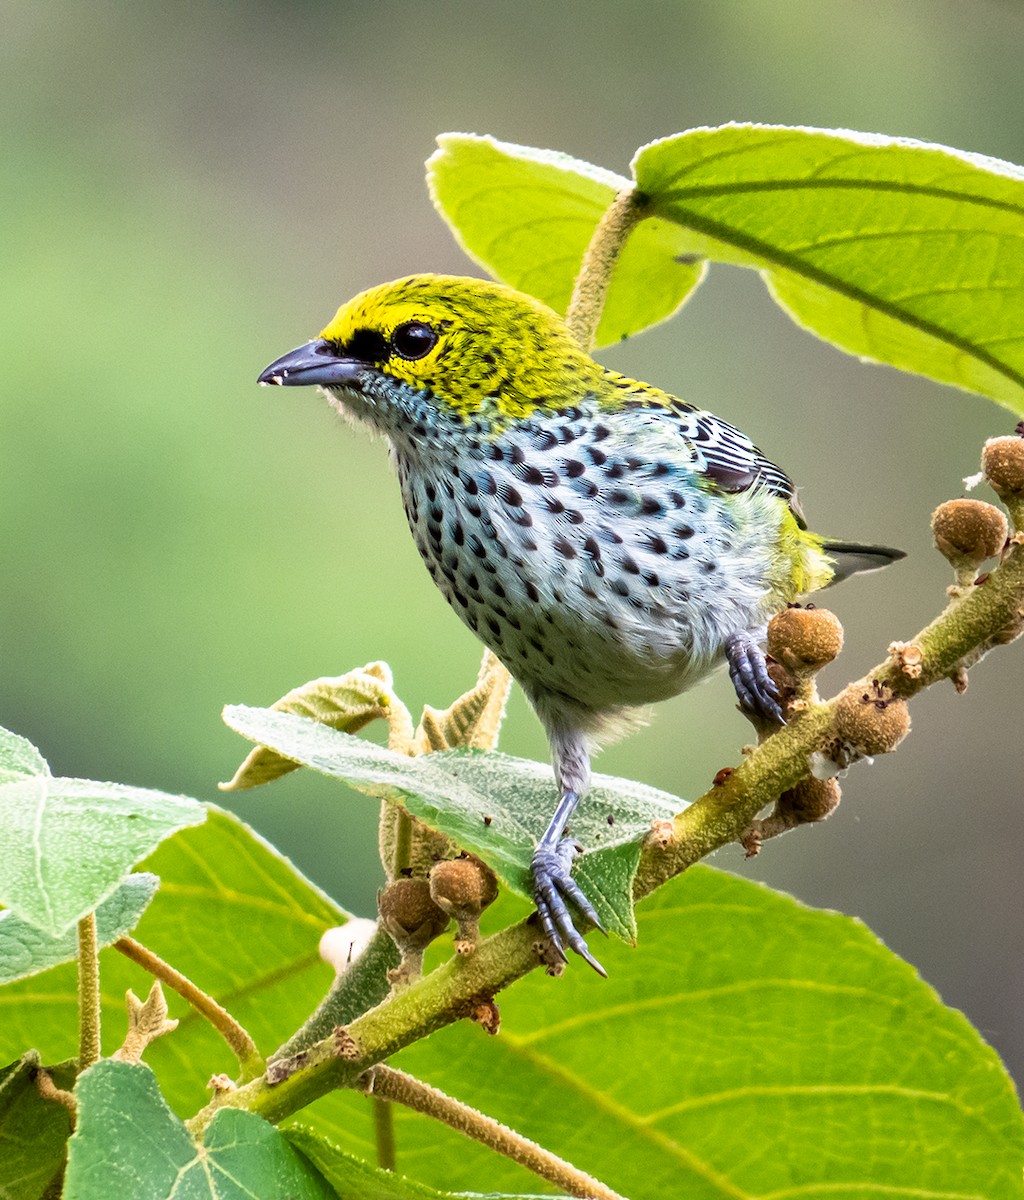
(236, 1037)
(588, 296)
(88, 993)
(384, 1132)
(422, 1098)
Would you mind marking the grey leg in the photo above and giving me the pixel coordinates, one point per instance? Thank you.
(553, 884)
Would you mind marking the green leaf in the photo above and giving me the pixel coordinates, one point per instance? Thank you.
(351, 1176)
(67, 844)
(232, 914)
(494, 805)
(901, 252)
(348, 702)
(26, 950)
(129, 1143)
(33, 1131)
(749, 1047)
(528, 215)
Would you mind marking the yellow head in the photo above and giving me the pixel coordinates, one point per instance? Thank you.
(476, 348)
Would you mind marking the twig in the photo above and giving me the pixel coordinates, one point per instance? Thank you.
(88, 993)
(384, 1131)
(384, 1081)
(236, 1037)
(58, 1095)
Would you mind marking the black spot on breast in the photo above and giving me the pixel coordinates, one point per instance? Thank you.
(615, 470)
(512, 496)
(657, 543)
(618, 496)
(531, 591)
(431, 491)
(531, 474)
(682, 531)
(629, 565)
(471, 486)
(458, 534)
(495, 628)
(650, 578)
(573, 467)
(553, 504)
(620, 587)
(597, 457)
(564, 547)
(574, 516)
(677, 500)
(587, 487)
(708, 567)
(524, 519)
(599, 433)
(649, 506)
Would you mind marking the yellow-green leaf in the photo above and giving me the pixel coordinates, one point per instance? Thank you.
(528, 215)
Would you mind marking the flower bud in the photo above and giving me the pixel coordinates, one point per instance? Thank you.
(1002, 462)
(463, 888)
(811, 800)
(871, 722)
(968, 531)
(804, 639)
(412, 920)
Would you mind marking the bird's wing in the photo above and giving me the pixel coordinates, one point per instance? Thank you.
(729, 458)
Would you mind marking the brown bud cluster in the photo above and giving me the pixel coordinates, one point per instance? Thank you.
(804, 639)
(462, 888)
(967, 532)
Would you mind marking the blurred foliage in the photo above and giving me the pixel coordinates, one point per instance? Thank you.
(185, 198)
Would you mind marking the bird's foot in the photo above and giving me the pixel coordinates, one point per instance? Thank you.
(553, 885)
(748, 670)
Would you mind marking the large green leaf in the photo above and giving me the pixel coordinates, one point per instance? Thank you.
(236, 917)
(67, 844)
(128, 1143)
(26, 950)
(495, 805)
(33, 1131)
(528, 215)
(750, 1047)
(901, 252)
(898, 251)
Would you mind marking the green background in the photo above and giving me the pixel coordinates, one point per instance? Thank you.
(188, 191)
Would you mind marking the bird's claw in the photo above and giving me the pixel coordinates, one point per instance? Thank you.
(552, 886)
(748, 669)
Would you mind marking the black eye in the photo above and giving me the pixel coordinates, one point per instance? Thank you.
(413, 339)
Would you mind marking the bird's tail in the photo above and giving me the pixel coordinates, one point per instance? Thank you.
(850, 558)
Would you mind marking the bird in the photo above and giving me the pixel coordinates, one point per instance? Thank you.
(609, 542)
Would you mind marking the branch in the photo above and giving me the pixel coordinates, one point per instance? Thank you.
(967, 628)
(395, 1085)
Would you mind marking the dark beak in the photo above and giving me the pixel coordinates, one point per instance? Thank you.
(313, 363)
